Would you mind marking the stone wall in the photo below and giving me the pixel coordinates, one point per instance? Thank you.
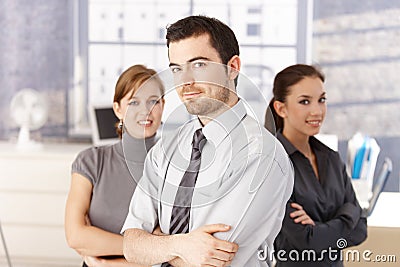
(357, 47)
(35, 53)
(360, 56)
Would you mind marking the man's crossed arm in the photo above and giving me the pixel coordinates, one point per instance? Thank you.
(197, 248)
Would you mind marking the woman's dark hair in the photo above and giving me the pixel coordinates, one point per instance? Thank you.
(222, 38)
(282, 83)
(130, 81)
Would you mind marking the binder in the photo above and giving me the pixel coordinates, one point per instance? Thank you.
(362, 157)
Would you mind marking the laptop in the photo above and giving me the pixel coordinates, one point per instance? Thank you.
(103, 121)
(378, 187)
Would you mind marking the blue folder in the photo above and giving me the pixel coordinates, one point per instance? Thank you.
(362, 159)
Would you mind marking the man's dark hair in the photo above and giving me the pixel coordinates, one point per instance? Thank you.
(222, 38)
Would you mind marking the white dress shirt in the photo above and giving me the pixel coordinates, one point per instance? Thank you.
(245, 180)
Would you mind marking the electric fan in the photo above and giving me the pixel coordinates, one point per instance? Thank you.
(29, 110)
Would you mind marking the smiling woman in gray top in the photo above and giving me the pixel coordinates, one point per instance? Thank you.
(104, 178)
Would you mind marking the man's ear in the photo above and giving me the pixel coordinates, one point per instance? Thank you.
(280, 108)
(234, 67)
(117, 110)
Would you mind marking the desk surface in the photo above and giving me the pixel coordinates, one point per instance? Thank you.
(386, 212)
(8, 149)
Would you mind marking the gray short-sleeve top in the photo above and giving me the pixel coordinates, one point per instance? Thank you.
(113, 182)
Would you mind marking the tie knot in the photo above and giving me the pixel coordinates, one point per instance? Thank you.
(199, 139)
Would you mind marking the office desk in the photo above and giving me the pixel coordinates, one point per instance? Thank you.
(33, 190)
(383, 235)
(387, 211)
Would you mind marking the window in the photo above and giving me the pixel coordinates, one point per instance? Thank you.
(161, 33)
(254, 10)
(253, 29)
(116, 39)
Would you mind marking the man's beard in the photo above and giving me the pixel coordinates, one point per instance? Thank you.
(207, 106)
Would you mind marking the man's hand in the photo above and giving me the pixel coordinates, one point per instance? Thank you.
(300, 215)
(92, 261)
(101, 262)
(158, 231)
(201, 248)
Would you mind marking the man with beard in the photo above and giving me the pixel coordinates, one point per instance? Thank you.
(235, 176)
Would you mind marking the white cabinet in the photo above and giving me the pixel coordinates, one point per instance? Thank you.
(33, 190)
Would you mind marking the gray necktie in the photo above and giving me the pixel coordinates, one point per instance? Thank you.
(181, 211)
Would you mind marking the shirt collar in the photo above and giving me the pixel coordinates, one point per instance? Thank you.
(290, 149)
(220, 127)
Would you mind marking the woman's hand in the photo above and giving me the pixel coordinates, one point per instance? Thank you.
(300, 215)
